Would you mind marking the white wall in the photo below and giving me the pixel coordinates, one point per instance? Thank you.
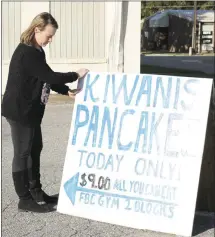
(132, 38)
(132, 41)
(28, 9)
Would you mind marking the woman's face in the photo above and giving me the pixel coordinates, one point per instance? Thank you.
(45, 36)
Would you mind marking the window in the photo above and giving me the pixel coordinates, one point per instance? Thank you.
(11, 28)
(81, 33)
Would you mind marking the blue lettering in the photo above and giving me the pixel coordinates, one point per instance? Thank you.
(153, 132)
(82, 152)
(100, 161)
(93, 126)
(166, 99)
(140, 166)
(120, 146)
(101, 201)
(190, 90)
(146, 82)
(78, 124)
(87, 198)
(82, 196)
(177, 93)
(115, 203)
(143, 130)
(170, 133)
(119, 160)
(109, 163)
(106, 88)
(123, 87)
(88, 88)
(106, 122)
(91, 159)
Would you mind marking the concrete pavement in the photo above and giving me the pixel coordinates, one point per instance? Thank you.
(56, 126)
(204, 64)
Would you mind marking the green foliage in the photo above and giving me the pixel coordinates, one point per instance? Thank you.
(208, 5)
(148, 8)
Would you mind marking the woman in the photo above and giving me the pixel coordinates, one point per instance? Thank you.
(29, 82)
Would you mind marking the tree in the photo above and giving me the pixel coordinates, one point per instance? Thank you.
(149, 8)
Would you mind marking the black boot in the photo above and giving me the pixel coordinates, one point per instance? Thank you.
(36, 188)
(40, 196)
(30, 205)
(26, 202)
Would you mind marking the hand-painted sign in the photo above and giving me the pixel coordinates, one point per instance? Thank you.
(135, 151)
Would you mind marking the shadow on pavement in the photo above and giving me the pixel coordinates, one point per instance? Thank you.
(203, 223)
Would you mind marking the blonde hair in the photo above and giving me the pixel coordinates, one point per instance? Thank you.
(40, 21)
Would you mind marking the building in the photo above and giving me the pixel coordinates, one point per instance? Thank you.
(95, 35)
(172, 30)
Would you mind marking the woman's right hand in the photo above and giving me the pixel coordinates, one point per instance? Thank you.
(82, 72)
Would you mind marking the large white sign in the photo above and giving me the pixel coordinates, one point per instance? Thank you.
(135, 151)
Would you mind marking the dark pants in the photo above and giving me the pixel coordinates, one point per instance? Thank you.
(27, 144)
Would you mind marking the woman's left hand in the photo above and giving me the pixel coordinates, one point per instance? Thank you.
(73, 93)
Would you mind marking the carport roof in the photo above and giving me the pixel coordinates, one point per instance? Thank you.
(161, 19)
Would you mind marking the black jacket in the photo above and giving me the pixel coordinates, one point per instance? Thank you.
(28, 73)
